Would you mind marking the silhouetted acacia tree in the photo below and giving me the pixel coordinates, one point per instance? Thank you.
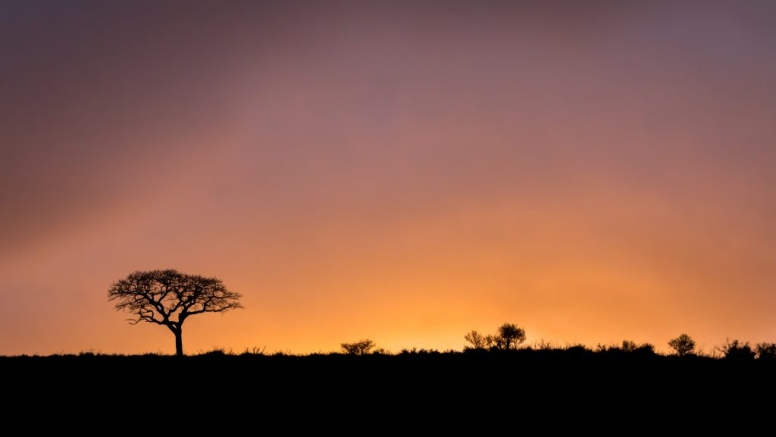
(168, 298)
(361, 347)
(683, 345)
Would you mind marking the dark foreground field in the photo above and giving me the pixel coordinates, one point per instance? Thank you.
(544, 373)
(466, 388)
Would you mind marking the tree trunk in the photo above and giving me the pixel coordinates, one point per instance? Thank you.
(178, 342)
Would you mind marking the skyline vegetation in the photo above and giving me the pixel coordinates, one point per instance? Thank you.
(510, 338)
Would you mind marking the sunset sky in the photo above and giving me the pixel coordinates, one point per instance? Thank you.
(403, 171)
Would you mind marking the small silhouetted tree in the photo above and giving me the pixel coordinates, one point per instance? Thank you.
(361, 347)
(509, 336)
(682, 345)
(477, 340)
(168, 298)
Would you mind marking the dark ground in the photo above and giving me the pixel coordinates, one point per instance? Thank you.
(454, 391)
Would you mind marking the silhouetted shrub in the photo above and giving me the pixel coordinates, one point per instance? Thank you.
(645, 349)
(736, 350)
(603, 348)
(766, 351)
(491, 342)
(361, 347)
(477, 340)
(544, 345)
(577, 348)
(216, 352)
(510, 336)
(629, 346)
(682, 345)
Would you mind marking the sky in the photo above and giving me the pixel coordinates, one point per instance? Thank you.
(402, 171)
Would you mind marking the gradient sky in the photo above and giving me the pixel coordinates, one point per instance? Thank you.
(400, 171)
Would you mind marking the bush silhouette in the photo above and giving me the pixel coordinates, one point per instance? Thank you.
(510, 336)
(544, 345)
(736, 350)
(645, 349)
(361, 347)
(766, 351)
(477, 341)
(682, 345)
